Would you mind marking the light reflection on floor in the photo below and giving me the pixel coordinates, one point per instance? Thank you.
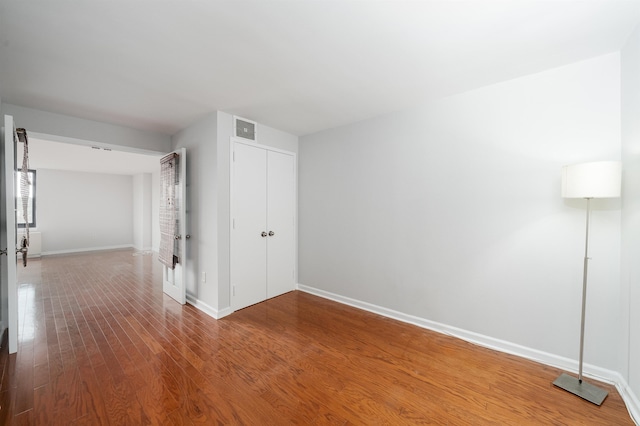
(26, 296)
(26, 300)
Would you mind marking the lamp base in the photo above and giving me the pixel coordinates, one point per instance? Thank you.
(584, 390)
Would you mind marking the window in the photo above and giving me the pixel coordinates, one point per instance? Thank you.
(31, 205)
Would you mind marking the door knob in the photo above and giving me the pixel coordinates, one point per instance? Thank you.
(271, 233)
(24, 249)
(24, 256)
(264, 234)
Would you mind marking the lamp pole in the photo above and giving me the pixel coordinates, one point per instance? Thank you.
(598, 179)
(576, 386)
(584, 289)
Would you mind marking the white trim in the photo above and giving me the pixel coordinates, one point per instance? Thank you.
(207, 309)
(592, 371)
(86, 249)
(86, 142)
(145, 249)
(234, 139)
(232, 157)
(630, 398)
(10, 280)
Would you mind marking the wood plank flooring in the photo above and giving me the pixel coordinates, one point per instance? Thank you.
(99, 343)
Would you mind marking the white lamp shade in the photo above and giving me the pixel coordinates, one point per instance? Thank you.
(599, 179)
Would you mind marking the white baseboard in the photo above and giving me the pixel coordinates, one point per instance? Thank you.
(207, 309)
(142, 249)
(86, 249)
(630, 398)
(592, 371)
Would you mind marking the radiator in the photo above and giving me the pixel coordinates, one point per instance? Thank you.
(35, 242)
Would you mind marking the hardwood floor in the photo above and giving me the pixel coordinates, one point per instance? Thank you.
(99, 343)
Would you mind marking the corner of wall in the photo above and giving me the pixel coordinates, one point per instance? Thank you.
(199, 140)
(223, 137)
(207, 309)
(630, 245)
(629, 397)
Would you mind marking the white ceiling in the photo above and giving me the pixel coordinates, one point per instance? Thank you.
(296, 65)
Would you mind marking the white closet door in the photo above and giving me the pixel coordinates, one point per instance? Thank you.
(248, 245)
(280, 221)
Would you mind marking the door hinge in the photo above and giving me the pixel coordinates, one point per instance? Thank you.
(233, 290)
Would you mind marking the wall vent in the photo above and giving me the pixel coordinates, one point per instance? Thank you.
(245, 129)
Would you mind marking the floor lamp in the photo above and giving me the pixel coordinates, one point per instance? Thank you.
(599, 179)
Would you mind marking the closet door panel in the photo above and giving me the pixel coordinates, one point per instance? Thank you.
(280, 221)
(248, 246)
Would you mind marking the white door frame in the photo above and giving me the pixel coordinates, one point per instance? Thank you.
(10, 278)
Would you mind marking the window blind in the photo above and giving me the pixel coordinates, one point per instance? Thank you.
(169, 218)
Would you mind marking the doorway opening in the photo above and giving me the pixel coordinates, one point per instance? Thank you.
(91, 198)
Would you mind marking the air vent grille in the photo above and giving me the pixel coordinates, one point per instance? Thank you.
(245, 129)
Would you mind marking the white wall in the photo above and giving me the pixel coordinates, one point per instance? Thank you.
(451, 211)
(207, 142)
(155, 211)
(142, 210)
(4, 300)
(79, 211)
(223, 201)
(137, 205)
(202, 252)
(630, 338)
(64, 128)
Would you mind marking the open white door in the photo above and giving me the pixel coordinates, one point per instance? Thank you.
(174, 280)
(9, 241)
